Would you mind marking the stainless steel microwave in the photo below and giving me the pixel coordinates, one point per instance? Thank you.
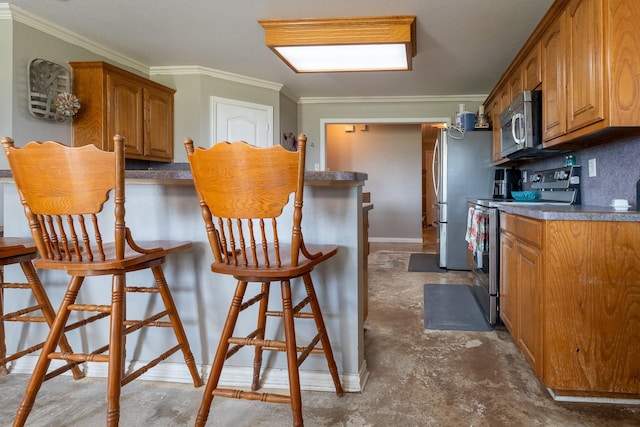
(521, 126)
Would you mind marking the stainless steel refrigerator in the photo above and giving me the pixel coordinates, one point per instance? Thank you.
(461, 169)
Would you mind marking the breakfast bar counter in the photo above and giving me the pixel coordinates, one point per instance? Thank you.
(161, 205)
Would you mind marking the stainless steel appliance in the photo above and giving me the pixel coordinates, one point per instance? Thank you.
(559, 186)
(505, 181)
(461, 169)
(521, 128)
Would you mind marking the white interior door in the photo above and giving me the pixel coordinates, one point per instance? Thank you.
(234, 120)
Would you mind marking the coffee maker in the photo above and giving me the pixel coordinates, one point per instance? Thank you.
(505, 181)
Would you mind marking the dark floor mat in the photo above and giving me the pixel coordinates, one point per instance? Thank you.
(452, 307)
(425, 263)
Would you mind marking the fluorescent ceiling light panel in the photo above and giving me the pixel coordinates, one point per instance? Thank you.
(351, 57)
(343, 44)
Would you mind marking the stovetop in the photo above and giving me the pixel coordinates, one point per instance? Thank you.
(558, 186)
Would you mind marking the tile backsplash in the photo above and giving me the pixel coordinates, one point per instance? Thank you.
(617, 171)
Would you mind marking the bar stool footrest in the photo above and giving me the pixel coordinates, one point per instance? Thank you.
(252, 395)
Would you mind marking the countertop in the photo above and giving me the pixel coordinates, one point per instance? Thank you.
(179, 173)
(571, 212)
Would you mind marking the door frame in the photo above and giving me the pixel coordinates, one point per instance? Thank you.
(378, 120)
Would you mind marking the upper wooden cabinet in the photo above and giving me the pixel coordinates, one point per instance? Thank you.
(585, 63)
(553, 46)
(115, 101)
(573, 70)
(588, 54)
(492, 108)
(531, 69)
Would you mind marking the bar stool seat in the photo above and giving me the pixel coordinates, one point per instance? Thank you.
(63, 191)
(18, 250)
(242, 192)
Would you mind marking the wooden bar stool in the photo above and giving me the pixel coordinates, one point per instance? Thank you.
(63, 191)
(242, 191)
(16, 250)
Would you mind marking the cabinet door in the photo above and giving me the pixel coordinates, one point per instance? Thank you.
(158, 124)
(124, 113)
(529, 281)
(554, 118)
(515, 84)
(508, 278)
(531, 73)
(585, 65)
(495, 108)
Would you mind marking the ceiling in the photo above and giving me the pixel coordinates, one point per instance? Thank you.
(463, 46)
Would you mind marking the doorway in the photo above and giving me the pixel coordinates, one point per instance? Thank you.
(399, 168)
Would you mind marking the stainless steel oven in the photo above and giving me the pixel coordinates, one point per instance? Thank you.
(560, 186)
(483, 258)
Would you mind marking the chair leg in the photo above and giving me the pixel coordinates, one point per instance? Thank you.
(322, 330)
(117, 349)
(47, 311)
(292, 354)
(221, 354)
(262, 324)
(40, 370)
(176, 323)
(3, 345)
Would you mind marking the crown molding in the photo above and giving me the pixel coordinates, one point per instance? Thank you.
(211, 72)
(391, 99)
(9, 11)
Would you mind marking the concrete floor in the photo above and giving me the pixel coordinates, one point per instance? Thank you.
(417, 377)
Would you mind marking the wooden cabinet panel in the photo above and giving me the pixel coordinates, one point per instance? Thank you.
(528, 296)
(554, 122)
(124, 112)
(585, 65)
(529, 230)
(592, 292)
(508, 270)
(115, 101)
(623, 22)
(515, 85)
(158, 123)
(521, 284)
(494, 110)
(531, 69)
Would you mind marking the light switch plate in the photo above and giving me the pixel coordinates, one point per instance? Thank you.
(592, 168)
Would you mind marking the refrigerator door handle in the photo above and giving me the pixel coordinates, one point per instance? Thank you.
(434, 160)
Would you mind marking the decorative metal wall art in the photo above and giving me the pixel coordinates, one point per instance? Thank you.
(50, 96)
(289, 141)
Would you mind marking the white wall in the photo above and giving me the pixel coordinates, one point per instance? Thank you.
(391, 155)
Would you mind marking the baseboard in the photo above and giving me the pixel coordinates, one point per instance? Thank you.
(232, 376)
(395, 240)
(582, 397)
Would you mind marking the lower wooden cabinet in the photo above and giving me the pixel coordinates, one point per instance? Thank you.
(520, 284)
(570, 296)
(508, 276)
(529, 269)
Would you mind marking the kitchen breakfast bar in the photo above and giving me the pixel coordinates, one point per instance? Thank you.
(161, 204)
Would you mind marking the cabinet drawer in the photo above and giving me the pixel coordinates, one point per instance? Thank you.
(529, 230)
(508, 222)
